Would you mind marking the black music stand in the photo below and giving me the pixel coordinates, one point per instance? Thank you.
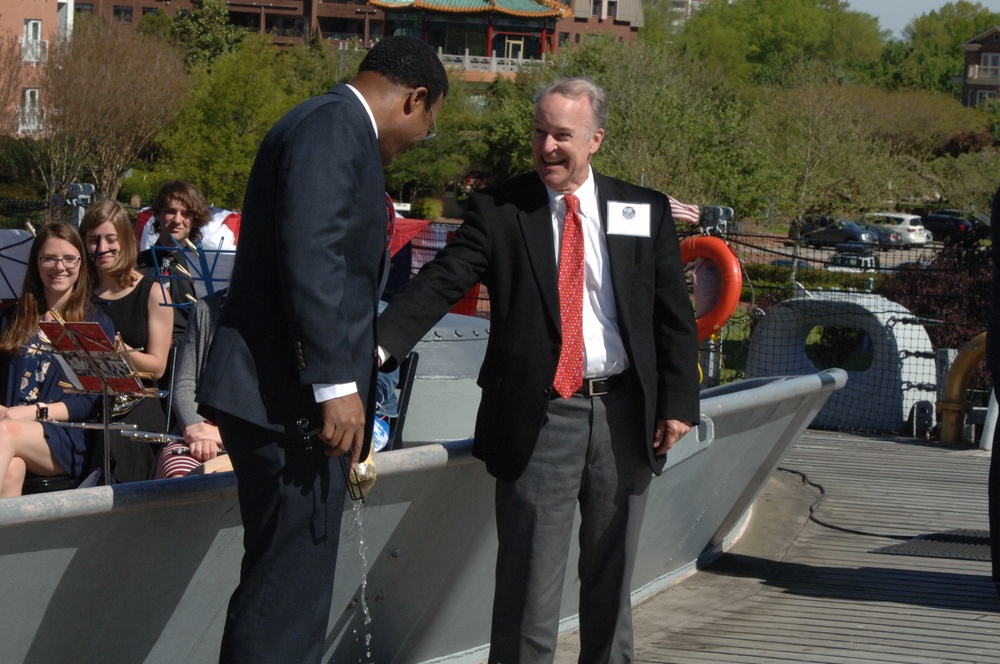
(94, 364)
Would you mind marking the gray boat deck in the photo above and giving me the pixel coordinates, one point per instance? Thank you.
(792, 590)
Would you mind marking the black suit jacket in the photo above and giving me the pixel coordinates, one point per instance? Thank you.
(506, 242)
(306, 280)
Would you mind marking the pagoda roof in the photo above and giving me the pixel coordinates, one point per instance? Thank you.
(520, 8)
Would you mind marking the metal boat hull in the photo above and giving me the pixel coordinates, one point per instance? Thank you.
(143, 572)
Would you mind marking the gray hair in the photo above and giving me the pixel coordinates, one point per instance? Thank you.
(577, 88)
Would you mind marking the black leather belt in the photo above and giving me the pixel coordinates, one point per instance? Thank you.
(598, 387)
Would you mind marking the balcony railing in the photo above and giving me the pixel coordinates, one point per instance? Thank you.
(984, 73)
(488, 63)
(30, 120)
(34, 50)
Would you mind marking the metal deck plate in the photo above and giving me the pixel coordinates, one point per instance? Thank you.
(960, 544)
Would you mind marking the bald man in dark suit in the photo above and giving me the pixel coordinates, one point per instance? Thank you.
(295, 347)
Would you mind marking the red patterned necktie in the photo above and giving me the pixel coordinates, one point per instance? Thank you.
(569, 373)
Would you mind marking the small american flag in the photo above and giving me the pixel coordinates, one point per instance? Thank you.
(689, 213)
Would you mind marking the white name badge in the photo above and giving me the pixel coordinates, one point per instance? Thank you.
(626, 218)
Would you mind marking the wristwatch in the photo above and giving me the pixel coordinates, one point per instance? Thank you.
(41, 412)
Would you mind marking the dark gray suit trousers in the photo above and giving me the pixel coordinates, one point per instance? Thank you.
(590, 451)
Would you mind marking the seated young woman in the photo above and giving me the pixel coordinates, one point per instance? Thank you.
(55, 282)
(137, 307)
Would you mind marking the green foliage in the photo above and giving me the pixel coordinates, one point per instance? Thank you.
(763, 41)
(159, 25)
(141, 187)
(775, 277)
(931, 51)
(206, 32)
(427, 208)
(510, 110)
(232, 106)
(17, 170)
(319, 66)
(431, 167)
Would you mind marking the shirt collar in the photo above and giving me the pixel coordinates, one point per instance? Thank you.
(364, 103)
(587, 193)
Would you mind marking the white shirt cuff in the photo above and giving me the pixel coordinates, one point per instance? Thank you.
(326, 391)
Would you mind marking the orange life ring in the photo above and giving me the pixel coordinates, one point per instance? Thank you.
(720, 255)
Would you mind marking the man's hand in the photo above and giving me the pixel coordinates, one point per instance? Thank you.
(343, 426)
(203, 440)
(666, 433)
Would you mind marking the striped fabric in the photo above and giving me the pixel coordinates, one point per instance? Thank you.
(173, 461)
(685, 211)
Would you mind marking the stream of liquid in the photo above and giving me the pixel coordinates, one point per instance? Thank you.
(363, 552)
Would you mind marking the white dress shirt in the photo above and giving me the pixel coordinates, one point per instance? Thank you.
(604, 351)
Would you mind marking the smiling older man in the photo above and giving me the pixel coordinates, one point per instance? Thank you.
(590, 374)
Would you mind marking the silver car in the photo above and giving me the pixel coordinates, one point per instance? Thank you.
(909, 226)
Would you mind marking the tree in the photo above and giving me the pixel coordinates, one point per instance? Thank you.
(10, 83)
(206, 32)
(827, 162)
(764, 40)
(931, 51)
(100, 108)
(510, 116)
(232, 106)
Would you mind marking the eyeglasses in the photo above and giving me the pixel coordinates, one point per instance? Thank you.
(51, 261)
(433, 132)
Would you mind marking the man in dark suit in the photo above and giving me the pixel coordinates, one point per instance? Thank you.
(993, 363)
(590, 374)
(295, 348)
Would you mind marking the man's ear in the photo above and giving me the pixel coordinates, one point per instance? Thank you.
(417, 99)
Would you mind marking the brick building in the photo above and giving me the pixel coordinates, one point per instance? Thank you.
(981, 75)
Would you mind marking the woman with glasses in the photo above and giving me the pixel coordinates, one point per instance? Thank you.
(139, 308)
(55, 283)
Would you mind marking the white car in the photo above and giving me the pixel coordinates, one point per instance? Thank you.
(909, 226)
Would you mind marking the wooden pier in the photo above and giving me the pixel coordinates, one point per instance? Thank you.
(793, 590)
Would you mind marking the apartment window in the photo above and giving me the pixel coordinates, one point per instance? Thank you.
(596, 8)
(29, 114)
(32, 29)
(983, 96)
(122, 13)
(33, 47)
(563, 39)
(84, 8)
(613, 9)
(990, 60)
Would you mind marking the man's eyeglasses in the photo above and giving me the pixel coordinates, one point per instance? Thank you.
(433, 132)
(51, 261)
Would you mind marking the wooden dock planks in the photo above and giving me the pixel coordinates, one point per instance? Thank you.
(793, 590)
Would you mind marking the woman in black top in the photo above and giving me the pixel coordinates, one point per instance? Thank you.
(139, 308)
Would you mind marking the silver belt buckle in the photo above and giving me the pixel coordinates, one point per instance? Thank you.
(590, 387)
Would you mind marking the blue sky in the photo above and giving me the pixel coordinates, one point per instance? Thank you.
(894, 15)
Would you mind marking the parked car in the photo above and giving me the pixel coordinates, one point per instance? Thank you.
(853, 263)
(949, 229)
(829, 231)
(787, 262)
(887, 237)
(909, 226)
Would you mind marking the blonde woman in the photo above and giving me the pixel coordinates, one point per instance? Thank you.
(140, 310)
